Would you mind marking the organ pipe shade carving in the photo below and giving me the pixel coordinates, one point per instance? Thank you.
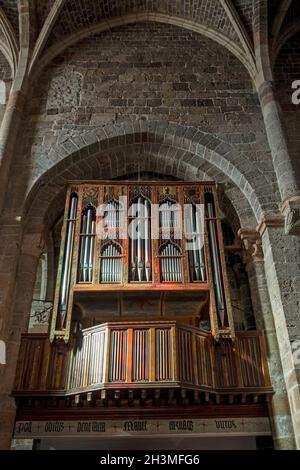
(125, 236)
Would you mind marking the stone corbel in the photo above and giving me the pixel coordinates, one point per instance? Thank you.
(252, 243)
(290, 209)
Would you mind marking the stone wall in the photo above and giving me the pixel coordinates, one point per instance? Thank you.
(148, 72)
(287, 70)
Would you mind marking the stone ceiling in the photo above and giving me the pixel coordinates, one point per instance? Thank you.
(72, 16)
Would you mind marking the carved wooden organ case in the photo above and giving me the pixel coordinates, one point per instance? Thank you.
(162, 242)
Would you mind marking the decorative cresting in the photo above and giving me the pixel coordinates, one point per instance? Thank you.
(143, 355)
(126, 237)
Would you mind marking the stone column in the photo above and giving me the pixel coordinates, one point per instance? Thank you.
(288, 182)
(280, 407)
(14, 315)
(283, 278)
(9, 136)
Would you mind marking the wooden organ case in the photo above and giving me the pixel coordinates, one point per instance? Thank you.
(156, 246)
(142, 309)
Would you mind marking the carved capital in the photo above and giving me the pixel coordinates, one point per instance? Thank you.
(291, 212)
(252, 243)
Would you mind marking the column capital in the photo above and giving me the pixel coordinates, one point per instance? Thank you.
(252, 242)
(269, 221)
(290, 209)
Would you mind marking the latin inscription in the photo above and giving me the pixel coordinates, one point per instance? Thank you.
(181, 426)
(135, 426)
(242, 426)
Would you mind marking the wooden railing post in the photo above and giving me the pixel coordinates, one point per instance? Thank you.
(152, 371)
(129, 355)
(174, 334)
(107, 361)
(195, 358)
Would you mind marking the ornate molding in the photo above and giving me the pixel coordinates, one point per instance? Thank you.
(252, 243)
(291, 212)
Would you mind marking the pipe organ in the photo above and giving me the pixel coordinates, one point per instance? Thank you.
(142, 316)
(129, 237)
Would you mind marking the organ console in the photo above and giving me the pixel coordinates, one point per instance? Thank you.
(126, 237)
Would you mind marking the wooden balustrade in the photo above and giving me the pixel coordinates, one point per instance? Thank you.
(142, 355)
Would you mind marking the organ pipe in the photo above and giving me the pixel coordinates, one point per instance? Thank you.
(111, 267)
(140, 243)
(147, 241)
(140, 260)
(67, 260)
(197, 257)
(86, 259)
(171, 267)
(215, 256)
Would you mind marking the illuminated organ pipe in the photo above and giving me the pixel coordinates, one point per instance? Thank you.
(170, 262)
(140, 243)
(140, 260)
(147, 241)
(215, 256)
(111, 266)
(67, 260)
(87, 242)
(196, 255)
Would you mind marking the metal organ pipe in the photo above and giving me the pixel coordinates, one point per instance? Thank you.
(200, 248)
(111, 267)
(216, 263)
(140, 263)
(82, 248)
(171, 268)
(140, 244)
(67, 264)
(87, 243)
(197, 259)
(92, 252)
(147, 242)
(133, 256)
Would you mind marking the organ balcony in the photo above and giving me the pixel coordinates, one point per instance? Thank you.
(142, 302)
(114, 359)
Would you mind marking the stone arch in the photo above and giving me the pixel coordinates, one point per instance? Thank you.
(119, 157)
(178, 150)
(7, 67)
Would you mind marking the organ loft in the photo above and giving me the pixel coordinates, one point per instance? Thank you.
(149, 225)
(142, 321)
